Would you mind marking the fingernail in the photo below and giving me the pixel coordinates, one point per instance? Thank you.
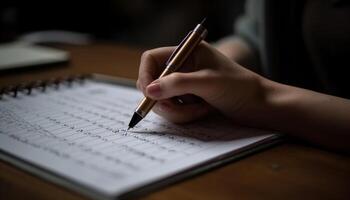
(154, 90)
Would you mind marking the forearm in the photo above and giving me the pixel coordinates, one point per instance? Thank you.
(312, 116)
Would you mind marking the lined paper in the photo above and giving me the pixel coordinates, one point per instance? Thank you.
(79, 132)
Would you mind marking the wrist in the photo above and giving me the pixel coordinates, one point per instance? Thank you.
(284, 107)
(270, 97)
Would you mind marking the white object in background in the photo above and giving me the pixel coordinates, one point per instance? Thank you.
(56, 36)
(17, 55)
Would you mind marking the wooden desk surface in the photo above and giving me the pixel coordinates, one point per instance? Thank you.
(286, 171)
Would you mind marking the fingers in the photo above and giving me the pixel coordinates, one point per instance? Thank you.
(201, 83)
(181, 113)
(153, 62)
(151, 65)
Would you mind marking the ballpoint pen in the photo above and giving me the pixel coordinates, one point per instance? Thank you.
(175, 61)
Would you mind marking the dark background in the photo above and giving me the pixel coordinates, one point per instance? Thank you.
(146, 23)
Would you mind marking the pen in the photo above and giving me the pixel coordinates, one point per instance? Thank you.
(175, 61)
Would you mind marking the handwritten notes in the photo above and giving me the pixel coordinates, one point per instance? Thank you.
(79, 133)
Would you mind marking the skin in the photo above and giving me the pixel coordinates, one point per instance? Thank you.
(244, 96)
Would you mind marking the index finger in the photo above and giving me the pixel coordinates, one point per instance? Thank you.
(152, 64)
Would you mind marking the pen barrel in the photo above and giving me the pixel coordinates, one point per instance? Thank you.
(146, 103)
(185, 50)
(145, 106)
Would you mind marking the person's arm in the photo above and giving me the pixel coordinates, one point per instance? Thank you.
(245, 97)
(315, 117)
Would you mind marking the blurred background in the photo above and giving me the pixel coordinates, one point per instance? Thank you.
(143, 23)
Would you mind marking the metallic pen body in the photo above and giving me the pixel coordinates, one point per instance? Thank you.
(175, 61)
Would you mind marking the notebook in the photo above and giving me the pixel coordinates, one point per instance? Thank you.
(74, 134)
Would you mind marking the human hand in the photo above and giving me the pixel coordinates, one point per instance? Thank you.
(224, 85)
(244, 96)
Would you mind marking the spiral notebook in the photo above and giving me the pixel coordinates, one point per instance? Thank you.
(73, 133)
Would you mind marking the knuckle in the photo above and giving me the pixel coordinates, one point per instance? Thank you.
(177, 79)
(212, 75)
(146, 54)
(208, 73)
(205, 73)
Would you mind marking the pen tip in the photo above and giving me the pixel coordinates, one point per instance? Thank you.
(134, 120)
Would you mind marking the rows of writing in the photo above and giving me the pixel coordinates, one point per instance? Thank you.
(111, 124)
(52, 133)
(25, 133)
(115, 102)
(123, 109)
(104, 109)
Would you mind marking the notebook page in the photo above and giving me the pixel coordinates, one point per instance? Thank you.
(79, 132)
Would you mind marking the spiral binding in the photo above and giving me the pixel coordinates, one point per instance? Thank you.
(27, 87)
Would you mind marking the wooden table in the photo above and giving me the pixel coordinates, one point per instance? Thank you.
(287, 171)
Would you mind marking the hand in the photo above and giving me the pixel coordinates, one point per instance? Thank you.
(223, 85)
(243, 96)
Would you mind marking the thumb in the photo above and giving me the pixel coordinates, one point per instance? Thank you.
(200, 83)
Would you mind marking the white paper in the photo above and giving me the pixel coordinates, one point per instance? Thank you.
(79, 132)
